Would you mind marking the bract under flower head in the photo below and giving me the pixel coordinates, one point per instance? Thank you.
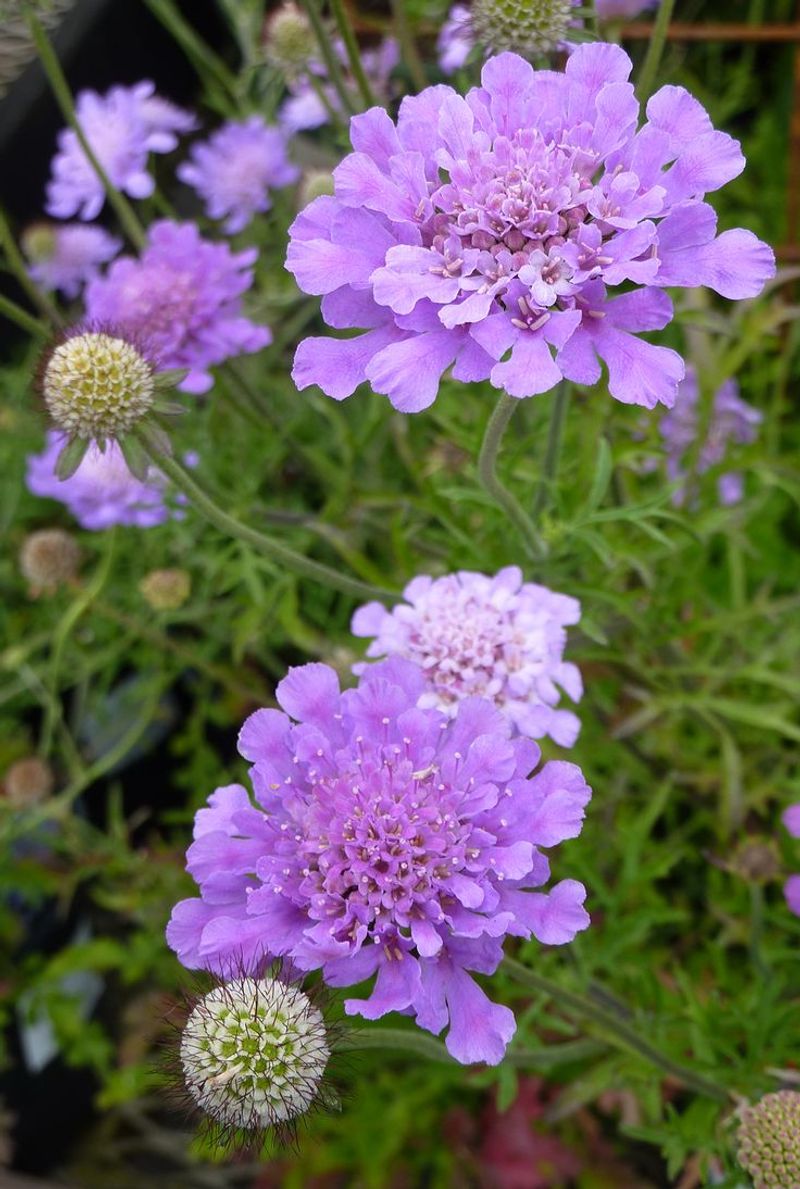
(122, 127)
(488, 233)
(183, 298)
(732, 421)
(491, 637)
(65, 257)
(769, 1140)
(254, 1052)
(234, 170)
(385, 839)
(102, 492)
(97, 385)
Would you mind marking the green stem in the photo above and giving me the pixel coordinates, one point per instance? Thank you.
(60, 88)
(622, 1034)
(234, 528)
(553, 449)
(487, 471)
(334, 70)
(658, 40)
(23, 319)
(409, 54)
(353, 52)
(205, 62)
(413, 1042)
(17, 266)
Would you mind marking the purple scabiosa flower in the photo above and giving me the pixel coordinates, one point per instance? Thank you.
(182, 298)
(102, 491)
(456, 39)
(498, 638)
(66, 256)
(304, 109)
(234, 170)
(385, 839)
(791, 889)
(123, 127)
(732, 421)
(488, 233)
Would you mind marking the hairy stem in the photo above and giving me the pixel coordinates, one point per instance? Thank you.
(60, 88)
(487, 471)
(234, 528)
(658, 40)
(617, 1030)
(353, 52)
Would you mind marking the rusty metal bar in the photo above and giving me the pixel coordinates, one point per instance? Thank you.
(717, 32)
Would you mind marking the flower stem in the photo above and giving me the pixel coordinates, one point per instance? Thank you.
(413, 1042)
(409, 53)
(621, 1033)
(487, 471)
(553, 448)
(19, 270)
(60, 88)
(205, 62)
(647, 79)
(9, 309)
(353, 52)
(234, 528)
(311, 7)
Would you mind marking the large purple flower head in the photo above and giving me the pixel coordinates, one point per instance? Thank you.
(123, 127)
(498, 638)
(304, 108)
(732, 421)
(182, 298)
(385, 839)
(102, 492)
(791, 889)
(66, 256)
(487, 232)
(235, 169)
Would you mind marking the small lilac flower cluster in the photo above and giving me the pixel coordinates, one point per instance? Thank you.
(791, 820)
(484, 232)
(386, 839)
(309, 106)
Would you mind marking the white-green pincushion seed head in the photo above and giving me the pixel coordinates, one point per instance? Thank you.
(97, 385)
(254, 1052)
(769, 1140)
(528, 27)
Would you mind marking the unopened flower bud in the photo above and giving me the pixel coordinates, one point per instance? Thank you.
(757, 861)
(97, 385)
(254, 1052)
(769, 1140)
(28, 781)
(527, 27)
(166, 590)
(39, 241)
(288, 38)
(48, 558)
(315, 183)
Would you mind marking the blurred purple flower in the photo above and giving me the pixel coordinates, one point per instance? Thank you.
(791, 820)
(387, 840)
(102, 492)
(304, 109)
(485, 232)
(66, 256)
(123, 127)
(476, 636)
(607, 9)
(732, 420)
(235, 169)
(456, 40)
(182, 299)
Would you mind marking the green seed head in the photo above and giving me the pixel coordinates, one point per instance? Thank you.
(166, 590)
(254, 1052)
(48, 558)
(39, 241)
(288, 39)
(769, 1140)
(528, 27)
(97, 385)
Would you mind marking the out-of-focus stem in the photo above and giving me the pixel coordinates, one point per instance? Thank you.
(408, 46)
(353, 52)
(647, 79)
(9, 309)
(60, 88)
(311, 7)
(18, 268)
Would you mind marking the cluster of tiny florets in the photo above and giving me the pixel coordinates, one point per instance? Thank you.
(97, 386)
(769, 1140)
(526, 27)
(254, 1052)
